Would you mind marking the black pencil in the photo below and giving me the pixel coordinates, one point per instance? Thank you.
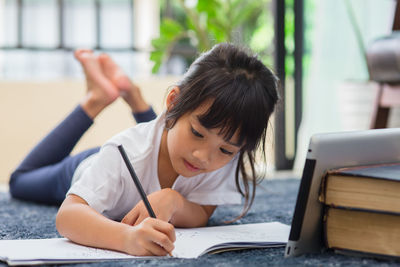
(136, 181)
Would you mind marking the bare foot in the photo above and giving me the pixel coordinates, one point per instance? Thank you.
(100, 90)
(128, 90)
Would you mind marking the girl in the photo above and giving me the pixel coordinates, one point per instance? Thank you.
(44, 176)
(189, 159)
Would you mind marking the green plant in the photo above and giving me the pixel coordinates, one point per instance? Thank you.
(213, 21)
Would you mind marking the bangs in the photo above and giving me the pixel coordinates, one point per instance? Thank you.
(237, 108)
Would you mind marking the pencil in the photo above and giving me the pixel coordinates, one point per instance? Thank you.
(138, 184)
(136, 181)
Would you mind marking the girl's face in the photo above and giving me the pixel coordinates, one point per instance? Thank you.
(194, 149)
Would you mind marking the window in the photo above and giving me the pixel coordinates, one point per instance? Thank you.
(37, 37)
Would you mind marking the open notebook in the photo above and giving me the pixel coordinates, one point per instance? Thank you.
(190, 243)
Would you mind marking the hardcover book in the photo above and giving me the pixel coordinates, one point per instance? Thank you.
(362, 208)
(355, 231)
(373, 187)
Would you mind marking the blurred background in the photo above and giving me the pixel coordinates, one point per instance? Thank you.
(316, 47)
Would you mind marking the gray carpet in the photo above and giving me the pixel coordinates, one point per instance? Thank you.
(275, 202)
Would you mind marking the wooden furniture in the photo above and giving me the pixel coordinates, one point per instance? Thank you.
(388, 95)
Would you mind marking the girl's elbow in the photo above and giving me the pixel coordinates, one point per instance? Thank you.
(60, 222)
(64, 217)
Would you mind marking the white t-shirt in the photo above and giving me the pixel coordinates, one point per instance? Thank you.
(104, 182)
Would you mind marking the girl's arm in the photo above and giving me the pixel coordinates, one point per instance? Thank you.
(190, 214)
(77, 221)
(170, 206)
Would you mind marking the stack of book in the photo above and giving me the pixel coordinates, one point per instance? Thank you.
(362, 210)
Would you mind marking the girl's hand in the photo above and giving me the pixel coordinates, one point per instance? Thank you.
(164, 203)
(150, 237)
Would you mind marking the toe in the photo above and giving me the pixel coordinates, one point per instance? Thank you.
(79, 53)
(109, 67)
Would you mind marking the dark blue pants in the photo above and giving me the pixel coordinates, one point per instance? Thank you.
(45, 174)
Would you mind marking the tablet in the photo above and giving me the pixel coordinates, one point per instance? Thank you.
(327, 151)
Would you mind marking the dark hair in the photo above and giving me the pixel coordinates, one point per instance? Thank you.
(244, 95)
